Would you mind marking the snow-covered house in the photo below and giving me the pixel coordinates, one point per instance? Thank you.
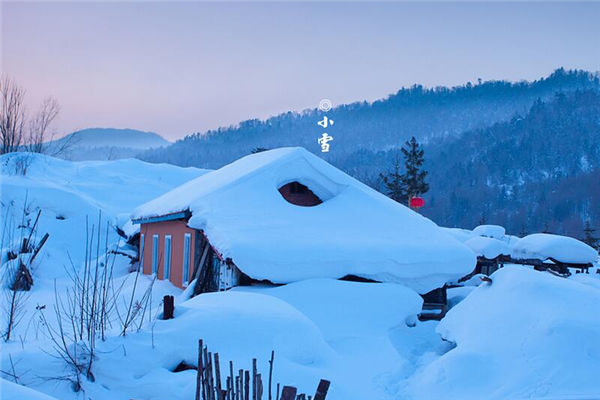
(559, 253)
(286, 215)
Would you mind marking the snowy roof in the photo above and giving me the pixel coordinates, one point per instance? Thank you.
(488, 247)
(561, 248)
(355, 231)
(493, 231)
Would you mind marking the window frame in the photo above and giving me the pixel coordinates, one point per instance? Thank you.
(142, 240)
(155, 245)
(167, 261)
(187, 252)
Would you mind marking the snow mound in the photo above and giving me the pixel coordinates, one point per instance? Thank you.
(318, 329)
(492, 231)
(488, 247)
(339, 308)
(561, 248)
(69, 192)
(355, 231)
(238, 325)
(12, 391)
(527, 335)
(462, 235)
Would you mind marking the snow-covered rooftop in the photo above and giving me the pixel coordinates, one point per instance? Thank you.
(561, 248)
(492, 231)
(356, 230)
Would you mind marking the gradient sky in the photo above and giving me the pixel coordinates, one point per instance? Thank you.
(178, 68)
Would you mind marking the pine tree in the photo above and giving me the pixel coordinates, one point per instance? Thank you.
(523, 231)
(393, 183)
(413, 180)
(589, 237)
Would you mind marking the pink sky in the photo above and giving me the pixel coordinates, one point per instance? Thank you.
(179, 68)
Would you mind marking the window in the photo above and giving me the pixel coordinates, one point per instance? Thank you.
(299, 194)
(167, 266)
(297, 187)
(187, 242)
(154, 254)
(142, 252)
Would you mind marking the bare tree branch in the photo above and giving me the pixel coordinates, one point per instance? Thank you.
(12, 115)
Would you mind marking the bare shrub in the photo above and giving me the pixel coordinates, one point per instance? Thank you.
(12, 115)
(89, 306)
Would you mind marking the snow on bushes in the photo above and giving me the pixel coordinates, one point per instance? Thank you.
(527, 335)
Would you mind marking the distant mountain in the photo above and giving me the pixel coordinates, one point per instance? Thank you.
(107, 143)
(524, 155)
(428, 114)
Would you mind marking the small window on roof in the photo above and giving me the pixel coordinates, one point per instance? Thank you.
(299, 194)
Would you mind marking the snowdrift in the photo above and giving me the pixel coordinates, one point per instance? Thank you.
(561, 248)
(488, 247)
(317, 328)
(69, 192)
(528, 335)
(13, 391)
(356, 230)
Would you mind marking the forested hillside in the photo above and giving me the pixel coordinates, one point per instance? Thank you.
(416, 111)
(497, 151)
(533, 173)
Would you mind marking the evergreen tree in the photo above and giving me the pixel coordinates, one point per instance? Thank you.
(589, 237)
(523, 231)
(413, 180)
(393, 183)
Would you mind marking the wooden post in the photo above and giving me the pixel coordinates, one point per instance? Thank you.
(199, 383)
(271, 372)
(247, 385)
(231, 379)
(288, 393)
(259, 387)
(205, 377)
(277, 396)
(39, 247)
(168, 307)
(218, 376)
(254, 379)
(322, 390)
(237, 388)
(241, 372)
(211, 381)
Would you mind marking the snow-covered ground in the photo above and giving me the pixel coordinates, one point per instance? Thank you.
(528, 334)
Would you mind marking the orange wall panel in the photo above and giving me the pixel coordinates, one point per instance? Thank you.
(177, 229)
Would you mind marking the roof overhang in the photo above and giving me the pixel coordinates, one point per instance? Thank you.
(161, 218)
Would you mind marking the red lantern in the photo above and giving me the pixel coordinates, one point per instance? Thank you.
(417, 202)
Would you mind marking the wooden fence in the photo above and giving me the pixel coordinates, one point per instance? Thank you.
(243, 384)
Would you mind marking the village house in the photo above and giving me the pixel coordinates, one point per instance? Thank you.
(286, 215)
